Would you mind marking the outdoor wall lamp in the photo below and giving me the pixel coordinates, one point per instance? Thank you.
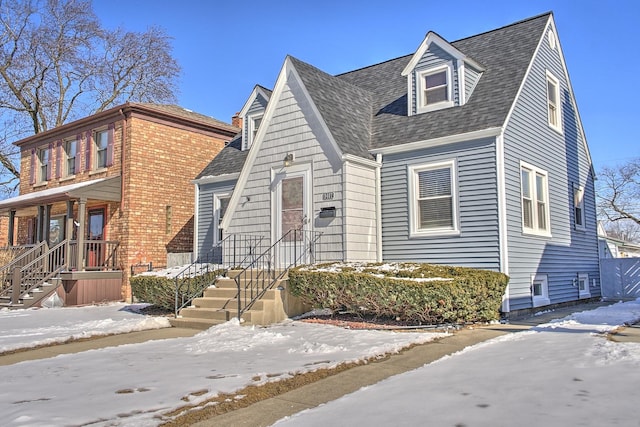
(288, 159)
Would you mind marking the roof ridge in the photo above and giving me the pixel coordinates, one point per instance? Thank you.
(522, 21)
(450, 42)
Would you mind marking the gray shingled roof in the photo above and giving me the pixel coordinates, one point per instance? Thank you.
(229, 160)
(367, 108)
(505, 53)
(345, 108)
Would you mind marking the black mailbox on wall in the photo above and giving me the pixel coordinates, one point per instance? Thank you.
(329, 212)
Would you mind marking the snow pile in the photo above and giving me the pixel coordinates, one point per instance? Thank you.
(192, 270)
(37, 327)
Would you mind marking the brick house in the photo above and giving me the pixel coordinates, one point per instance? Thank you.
(116, 184)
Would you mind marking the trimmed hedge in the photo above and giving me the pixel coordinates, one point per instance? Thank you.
(161, 291)
(464, 295)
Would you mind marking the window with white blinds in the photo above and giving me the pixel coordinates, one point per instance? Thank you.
(434, 198)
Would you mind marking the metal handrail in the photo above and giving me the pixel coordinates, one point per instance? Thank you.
(233, 250)
(295, 247)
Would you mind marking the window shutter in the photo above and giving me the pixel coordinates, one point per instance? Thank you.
(110, 142)
(87, 150)
(58, 159)
(77, 153)
(33, 166)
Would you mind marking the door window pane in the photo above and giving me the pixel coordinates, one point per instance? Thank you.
(292, 204)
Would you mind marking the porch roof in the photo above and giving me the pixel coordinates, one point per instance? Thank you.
(108, 189)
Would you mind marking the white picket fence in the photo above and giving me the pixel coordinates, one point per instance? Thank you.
(620, 278)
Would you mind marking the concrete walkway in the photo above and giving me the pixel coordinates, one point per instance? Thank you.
(268, 411)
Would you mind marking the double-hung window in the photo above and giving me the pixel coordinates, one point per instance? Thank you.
(44, 154)
(70, 151)
(578, 207)
(101, 142)
(553, 102)
(252, 129)
(221, 202)
(433, 199)
(434, 88)
(535, 200)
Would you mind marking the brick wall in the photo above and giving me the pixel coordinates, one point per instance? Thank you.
(157, 208)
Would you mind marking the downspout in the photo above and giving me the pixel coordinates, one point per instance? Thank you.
(196, 209)
(502, 216)
(378, 209)
(122, 160)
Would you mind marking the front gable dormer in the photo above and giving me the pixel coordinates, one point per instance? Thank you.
(251, 114)
(439, 76)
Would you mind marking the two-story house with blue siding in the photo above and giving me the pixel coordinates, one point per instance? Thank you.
(467, 153)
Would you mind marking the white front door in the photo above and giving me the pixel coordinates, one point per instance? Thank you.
(292, 213)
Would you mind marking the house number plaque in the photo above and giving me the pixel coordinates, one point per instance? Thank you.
(327, 196)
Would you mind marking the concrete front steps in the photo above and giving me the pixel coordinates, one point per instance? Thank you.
(219, 304)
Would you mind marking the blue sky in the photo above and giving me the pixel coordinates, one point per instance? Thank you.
(226, 47)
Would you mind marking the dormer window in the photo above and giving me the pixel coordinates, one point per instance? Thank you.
(252, 129)
(434, 88)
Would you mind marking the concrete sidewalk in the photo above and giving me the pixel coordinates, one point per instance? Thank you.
(268, 411)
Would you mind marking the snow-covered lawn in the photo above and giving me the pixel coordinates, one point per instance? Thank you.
(131, 384)
(38, 327)
(562, 373)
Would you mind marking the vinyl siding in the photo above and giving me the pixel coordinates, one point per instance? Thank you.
(477, 245)
(471, 77)
(360, 213)
(529, 138)
(206, 217)
(293, 128)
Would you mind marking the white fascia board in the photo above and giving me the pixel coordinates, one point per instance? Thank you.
(428, 143)
(217, 178)
(257, 90)
(552, 25)
(525, 77)
(287, 70)
(361, 161)
(255, 146)
(316, 112)
(444, 45)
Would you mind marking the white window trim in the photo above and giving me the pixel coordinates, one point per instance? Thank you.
(419, 76)
(540, 300)
(580, 197)
(251, 129)
(414, 230)
(558, 126)
(216, 214)
(586, 293)
(535, 230)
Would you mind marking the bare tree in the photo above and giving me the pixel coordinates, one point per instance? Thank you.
(619, 198)
(57, 64)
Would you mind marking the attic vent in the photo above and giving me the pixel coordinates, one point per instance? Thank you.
(552, 39)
